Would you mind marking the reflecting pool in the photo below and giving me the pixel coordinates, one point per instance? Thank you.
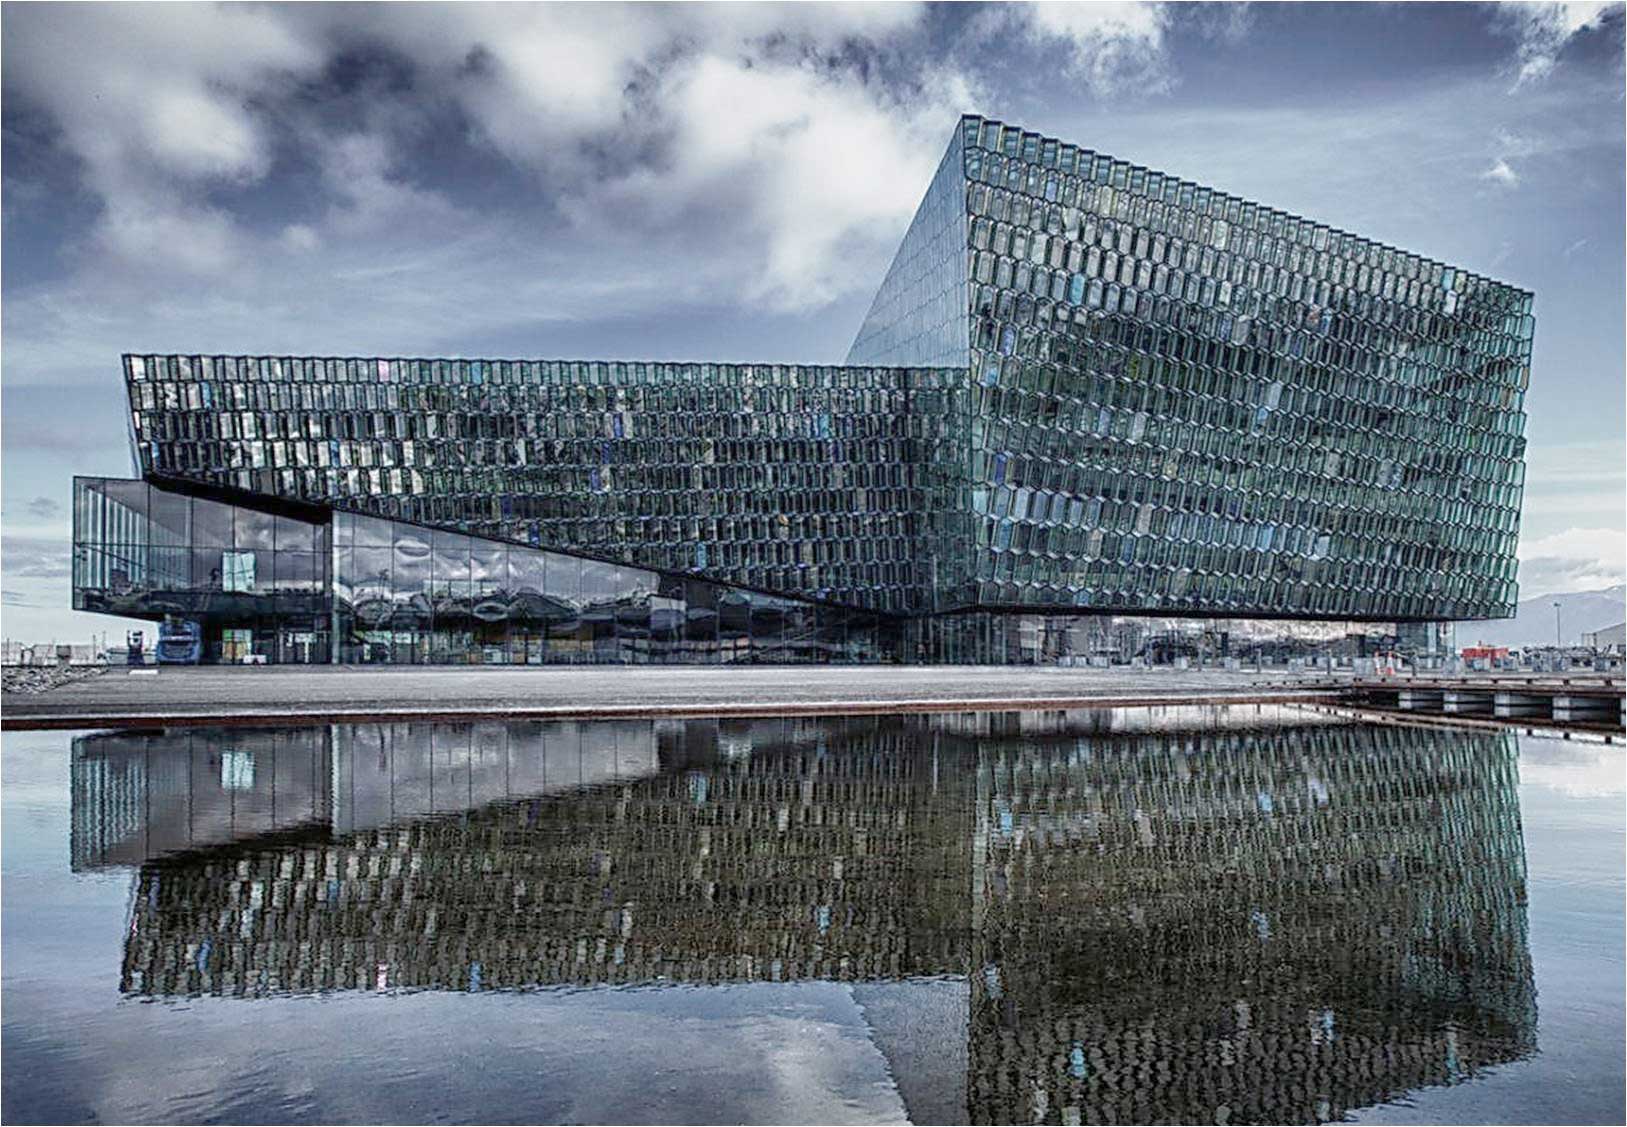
(1234, 915)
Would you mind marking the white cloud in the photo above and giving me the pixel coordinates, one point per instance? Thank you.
(1576, 559)
(1513, 144)
(1541, 32)
(1501, 173)
(786, 148)
(1228, 21)
(536, 80)
(155, 101)
(1114, 47)
(1598, 543)
(637, 116)
(198, 134)
(542, 83)
(1510, 147)
(810, 166)
(300, 237)
(368, 191)
(162, 233)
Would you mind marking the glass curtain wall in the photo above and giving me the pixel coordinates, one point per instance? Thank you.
(257, 581)
(267, 587)
(273, 588)
(1186, 401)
(410, 595)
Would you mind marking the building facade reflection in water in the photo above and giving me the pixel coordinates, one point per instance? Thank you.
(1241, 915)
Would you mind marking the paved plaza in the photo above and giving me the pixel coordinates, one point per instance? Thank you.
(291, 693)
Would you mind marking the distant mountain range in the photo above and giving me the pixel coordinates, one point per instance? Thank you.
(1580, 612)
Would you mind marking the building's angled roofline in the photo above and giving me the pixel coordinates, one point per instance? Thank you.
(1266, 209)
(143, 354)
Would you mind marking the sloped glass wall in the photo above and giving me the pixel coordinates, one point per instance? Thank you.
(273, 588)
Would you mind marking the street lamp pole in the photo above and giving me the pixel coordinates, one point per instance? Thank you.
(1558, 643)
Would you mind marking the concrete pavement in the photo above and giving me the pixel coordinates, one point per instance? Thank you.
(331, 694)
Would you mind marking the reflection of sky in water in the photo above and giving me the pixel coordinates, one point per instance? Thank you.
(743, 1053)
(799, 1051)
(1573, 767)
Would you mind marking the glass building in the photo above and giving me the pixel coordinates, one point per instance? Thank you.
(1083, 387)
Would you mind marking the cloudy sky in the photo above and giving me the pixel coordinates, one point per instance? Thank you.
(728, 182)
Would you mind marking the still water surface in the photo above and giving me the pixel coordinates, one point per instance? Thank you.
(1218, 915)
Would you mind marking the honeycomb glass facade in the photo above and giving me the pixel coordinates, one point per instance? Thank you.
(814, 481)
(1083, 387)
(1186, 402)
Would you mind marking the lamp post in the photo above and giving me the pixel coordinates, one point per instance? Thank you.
(1557, 638)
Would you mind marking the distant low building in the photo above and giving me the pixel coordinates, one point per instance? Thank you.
(1610, 638)
(46, 653)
